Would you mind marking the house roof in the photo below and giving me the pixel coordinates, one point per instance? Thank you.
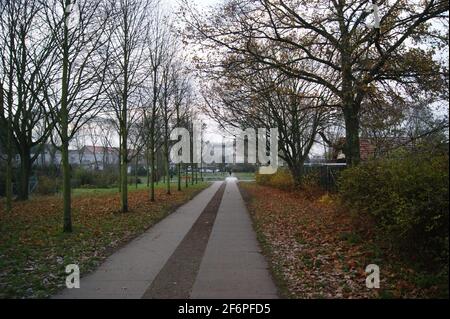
(100, 149)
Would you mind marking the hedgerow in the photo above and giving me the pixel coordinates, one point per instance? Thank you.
(406, 195)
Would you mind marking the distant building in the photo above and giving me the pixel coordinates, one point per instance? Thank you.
(370, 148)
(97, 157)
(90, 157)
(48, 155)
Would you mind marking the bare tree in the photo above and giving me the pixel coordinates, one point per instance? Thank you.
(82, 52)
(94, 139)
(168, 107)
(129, 35)
(107, 127)
(8, 13)
(182, 91)
(159, 46)
(270, 99)
(31, 49)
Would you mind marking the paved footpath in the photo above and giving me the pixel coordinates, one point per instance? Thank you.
(206, 249)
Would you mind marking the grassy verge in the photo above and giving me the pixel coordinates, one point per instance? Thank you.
(245, 176)
(34, 251)
(113, 190)
(223, 175)
(317, 251)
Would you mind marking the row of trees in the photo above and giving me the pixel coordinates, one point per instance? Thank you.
(313, 67)
(309, 68)
(69, 63)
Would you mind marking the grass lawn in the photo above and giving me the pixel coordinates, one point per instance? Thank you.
(317, 251)
(34, 251)
(131, 188)
(245, 176)
(222, 176)
(214, 176)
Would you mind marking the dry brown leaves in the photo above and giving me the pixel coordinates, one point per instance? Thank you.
(315, 250)
(34, 251)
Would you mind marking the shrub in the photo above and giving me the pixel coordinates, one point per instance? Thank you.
(311, 183)
(47, 185)
(133, 180)
(282, 179)
(262, 179)
(407, 196)
(94, 179)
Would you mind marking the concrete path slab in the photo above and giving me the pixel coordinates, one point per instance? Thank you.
(233, 266)
(130, 271)
(230, 266)
(176, 278)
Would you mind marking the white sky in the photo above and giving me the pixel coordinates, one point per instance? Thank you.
(201, 3)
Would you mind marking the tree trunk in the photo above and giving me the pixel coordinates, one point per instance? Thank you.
(186, 177)
(179, 176)
(124, 130)
(352, 146)
(167, 166)
(179, 164)
(64, 117)
(297, 171)
(120, 166)
(136, 171)
(25, 171)
(192, 155)
(201, 168)
(157, 169)
(152, 163)
(350, 108)
(66, 188)
(196, 173)
(147, 161)
(124, 173)
(8, 186)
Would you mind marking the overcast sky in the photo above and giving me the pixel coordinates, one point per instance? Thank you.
(202, 3)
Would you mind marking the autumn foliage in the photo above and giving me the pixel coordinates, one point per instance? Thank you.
(282, 179)
(317, 250)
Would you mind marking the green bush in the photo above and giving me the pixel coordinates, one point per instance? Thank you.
(133, 180)
(47, 185)
(311, 178)
(282, 179)
(82, 178)
(407, 197)
(262, 179)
